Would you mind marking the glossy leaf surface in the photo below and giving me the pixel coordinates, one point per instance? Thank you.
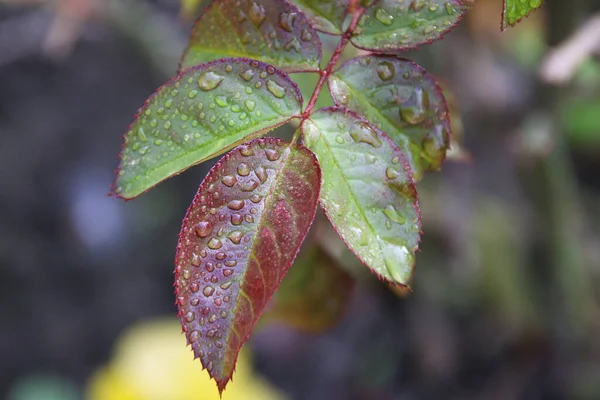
(391, 25)
(238, 240)
(516, 10)
(273, 31)
(313, 295)
(199, 114)
(403, 100)
(327, 15)
(368, 193)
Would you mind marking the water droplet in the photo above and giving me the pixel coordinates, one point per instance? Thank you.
(272, 154)
(167, 125)
(249, 218)
(211, 333)
(362, 133)
(194, 287)
(235, 237)
(210, 267)
(246, 151)
(229, 180)
(385, 70)
(243, 169)
(339, 139)
(256, 14)
(306, 35)
(416, 108)
(250, 104)
(187, 274)
(208, 290)
(194, 336)
(209, 80)
(142, 134)
(383, 16)
(203, 229)
(194, 302)
(227, 272)
(247, 75)
(286, 20)
(220, 256)
(226, 285)
(261, 174)
(236, 219)
(255, 198)
(235, 205)
(213, 318)
(214, 244)
(392, 213)
(249, 185)
(219, 344)
(192, 94)
(196, 261)
(391, 173)
(189, 316)
(275, 89)
(230, 263)
(221, 101)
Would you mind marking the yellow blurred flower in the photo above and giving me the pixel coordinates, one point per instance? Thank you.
(152, 362)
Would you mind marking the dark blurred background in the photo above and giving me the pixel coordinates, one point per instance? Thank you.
(504, 304)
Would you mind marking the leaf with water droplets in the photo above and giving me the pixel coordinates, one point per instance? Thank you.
(201, 113)
(391, 25)
(314, 294)
(516, 10)
(273, 31)
(327, 15)
(238, 240)
(403, 100)
(367, 191)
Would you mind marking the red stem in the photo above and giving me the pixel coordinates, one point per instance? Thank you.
(356, 14)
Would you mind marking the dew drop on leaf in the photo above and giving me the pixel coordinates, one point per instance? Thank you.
(361, 133)
(275, 89)
(385, 70)
(384, 17)
(415, 110)
(257, 14)
(208, 290)
(393, 214)
(243, 169)
(209, 80)
(214, 244)
(203, 229)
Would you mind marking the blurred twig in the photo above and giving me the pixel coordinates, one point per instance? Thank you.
(560, 64)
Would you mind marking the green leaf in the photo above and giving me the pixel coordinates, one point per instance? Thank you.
(273, 31)
(313, 295)
(367, 192)
(391, 25)
(401, 99)
(516, 10)
(238, 240)
(327, 15)
(199, 114)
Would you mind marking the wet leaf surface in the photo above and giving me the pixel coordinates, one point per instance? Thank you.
(391, 25)
(273, 31)
(327, 15)
(403, 100)
(516, 10)
(201, 113)
(237, 242)
(367, 192)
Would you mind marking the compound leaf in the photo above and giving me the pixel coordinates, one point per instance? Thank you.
(402, 100)
(327, 15)
(238, 239)
(273, 31)
(313, 295)
(203, 112)
(367, 193)
(391, 25)
(516, 10)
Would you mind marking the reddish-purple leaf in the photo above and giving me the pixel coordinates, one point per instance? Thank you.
(238, 239)
(273, 31)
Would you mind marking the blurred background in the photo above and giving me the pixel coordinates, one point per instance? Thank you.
(504, 302)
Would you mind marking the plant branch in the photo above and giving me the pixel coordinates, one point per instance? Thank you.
(356, 14)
